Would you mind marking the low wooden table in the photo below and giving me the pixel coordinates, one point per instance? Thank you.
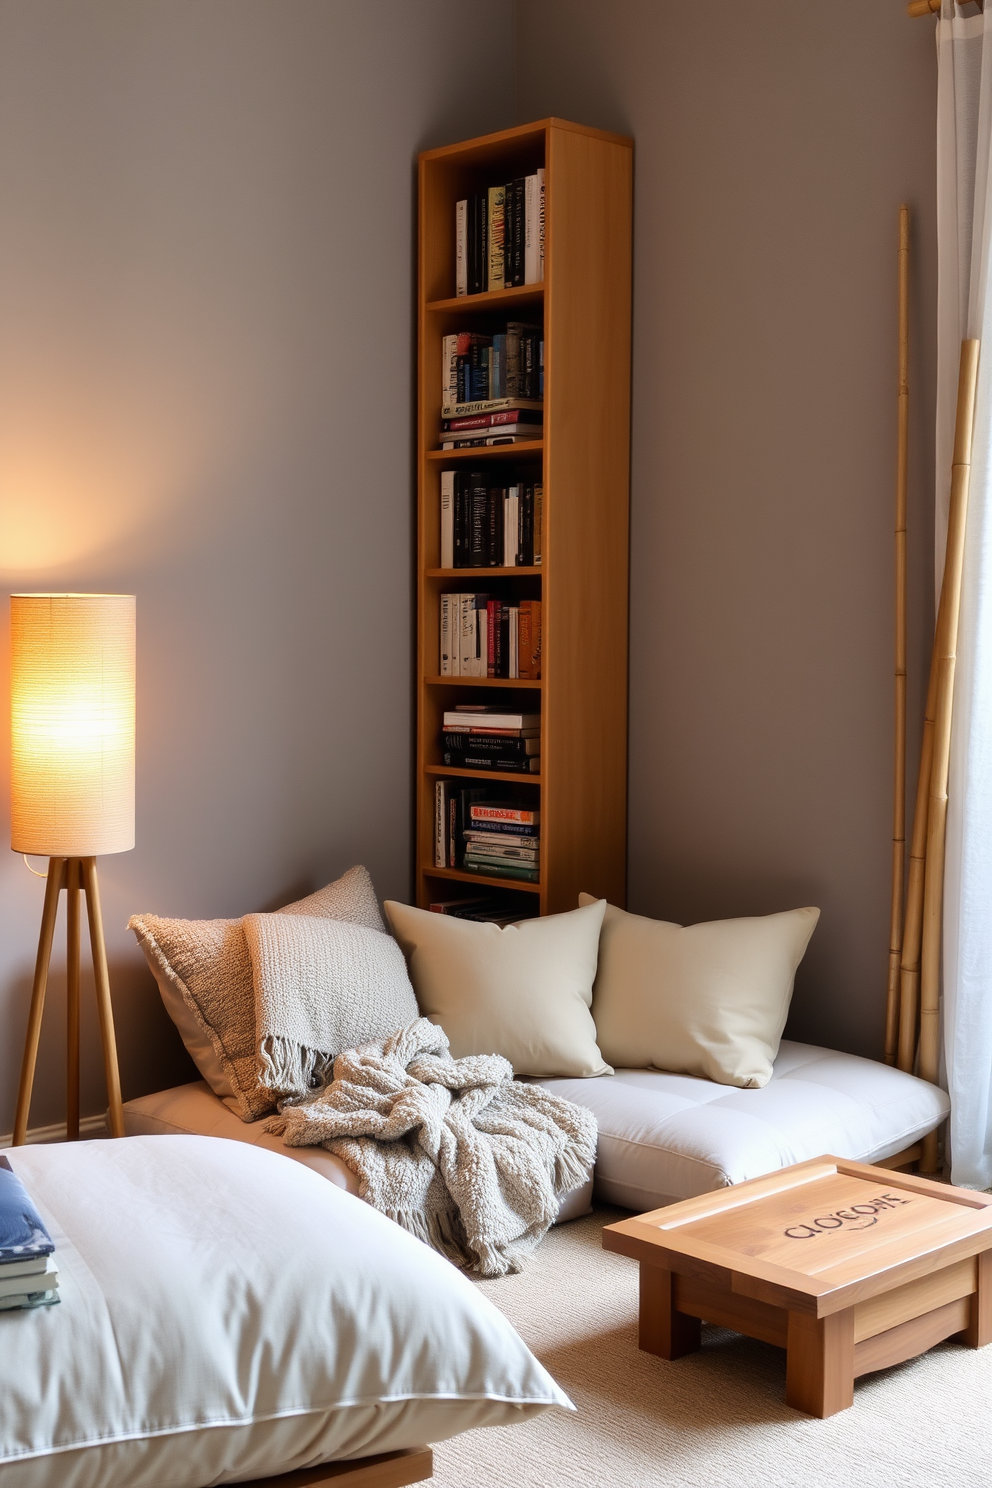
(848, 1268)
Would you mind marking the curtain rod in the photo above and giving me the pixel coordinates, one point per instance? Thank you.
(931, 7)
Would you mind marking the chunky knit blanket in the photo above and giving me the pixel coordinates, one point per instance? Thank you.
(455, 1150)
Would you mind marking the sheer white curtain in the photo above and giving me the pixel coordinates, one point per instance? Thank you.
(964, 225)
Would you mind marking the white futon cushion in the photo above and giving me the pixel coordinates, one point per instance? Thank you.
(667, 1137)
(225, 1315)
(196, 1110)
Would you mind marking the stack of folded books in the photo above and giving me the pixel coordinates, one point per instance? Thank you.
(490, 738)
(503, 840)
(29, 1275)
(513, 422)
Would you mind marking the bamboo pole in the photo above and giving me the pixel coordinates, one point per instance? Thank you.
(923, 7)
(946, 658)
(899, 765)
(909, 971)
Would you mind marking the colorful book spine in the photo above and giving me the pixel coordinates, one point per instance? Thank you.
(534, 229)
(442, 791)
(461, 247)
(529, 639)
(495, 238)
(505, 811)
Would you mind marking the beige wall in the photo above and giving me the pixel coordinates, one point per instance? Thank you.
(205, 394)
(206, 259)
(774, 144)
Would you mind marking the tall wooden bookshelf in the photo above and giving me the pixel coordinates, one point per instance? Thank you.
(583, 459)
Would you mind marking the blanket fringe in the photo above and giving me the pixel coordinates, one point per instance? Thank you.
(290, 1070)
(439, 1229)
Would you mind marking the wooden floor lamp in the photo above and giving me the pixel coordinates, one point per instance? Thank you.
(72, 796)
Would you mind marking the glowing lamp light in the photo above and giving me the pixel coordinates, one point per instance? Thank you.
(72, 724)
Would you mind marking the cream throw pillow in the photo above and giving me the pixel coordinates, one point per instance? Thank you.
(522, 991)
(203, 972)
(707, 1000)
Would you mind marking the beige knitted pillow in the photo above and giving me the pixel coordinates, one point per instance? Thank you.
(203, 971)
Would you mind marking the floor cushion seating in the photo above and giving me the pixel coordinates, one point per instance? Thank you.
(666, 1137)
(663, 1137)
(194, 1108)
(226, 1315)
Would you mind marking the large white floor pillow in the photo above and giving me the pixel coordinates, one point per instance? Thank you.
(227, 1314)
(666, 1137)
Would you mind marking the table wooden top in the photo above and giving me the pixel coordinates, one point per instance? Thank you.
(815, 1237)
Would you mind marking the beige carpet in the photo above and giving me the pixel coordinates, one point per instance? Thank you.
(715, 1418)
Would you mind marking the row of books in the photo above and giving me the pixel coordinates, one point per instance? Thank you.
(487, 523)
(480, 834)
(499, 236)
(476, 367)
(489, 909)
(485, 637)
(29, 1275)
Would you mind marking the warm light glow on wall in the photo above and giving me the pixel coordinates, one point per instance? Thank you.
(72, 724)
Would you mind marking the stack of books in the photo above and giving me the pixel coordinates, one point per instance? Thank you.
(485, 637)
(490, 521)
(29, 1276)
(488, 738)
(503, 421)
(503, 840)
(506, 369)
(499, 236)
(490, 909)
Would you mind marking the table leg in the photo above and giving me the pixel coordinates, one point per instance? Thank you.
(979, 1330)
(819, 1366)
(661, 1329)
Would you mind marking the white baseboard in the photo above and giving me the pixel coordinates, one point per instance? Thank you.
(89, 1126)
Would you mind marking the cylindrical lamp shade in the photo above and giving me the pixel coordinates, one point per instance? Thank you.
(72, 724)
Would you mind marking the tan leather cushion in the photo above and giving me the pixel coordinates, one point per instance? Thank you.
(707, 1000)
(203, 972)
(195, 1111)
(522, 990)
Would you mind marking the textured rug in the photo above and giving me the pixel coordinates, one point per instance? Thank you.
(716, 1419)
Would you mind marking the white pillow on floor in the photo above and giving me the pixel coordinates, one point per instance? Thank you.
(707, 1000)
(226, 1315)
(522, 990)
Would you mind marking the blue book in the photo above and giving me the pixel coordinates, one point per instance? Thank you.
(22, 1231)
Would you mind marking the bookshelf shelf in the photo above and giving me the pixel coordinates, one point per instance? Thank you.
(495, 299)
(517, 884)
(514, 682)
(583, 307)
(477, 452)
(492, 573)
(494, 776)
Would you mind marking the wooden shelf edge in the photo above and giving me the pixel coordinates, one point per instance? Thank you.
(480, 682)
(460, 876)
(522, 131)
(489, 298)
(489, 451)
(516, 776)
(500, 573)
